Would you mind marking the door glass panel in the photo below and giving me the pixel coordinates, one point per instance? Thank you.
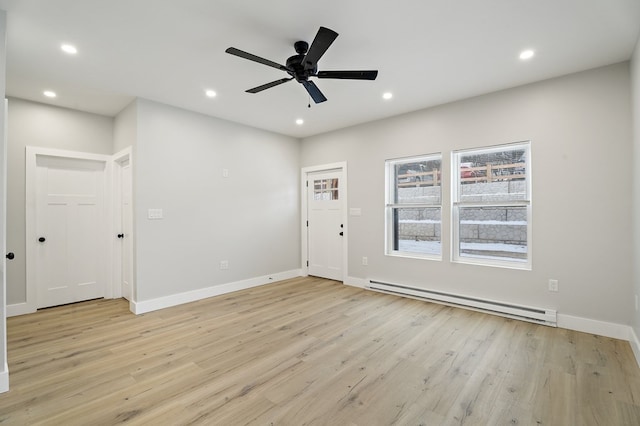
(325, 189)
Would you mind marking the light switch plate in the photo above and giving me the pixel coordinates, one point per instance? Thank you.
(154, 214)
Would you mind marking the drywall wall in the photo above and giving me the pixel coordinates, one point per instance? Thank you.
(249, 218)
(125, 128)
(635, 85)
(580, 130)
(35, 124)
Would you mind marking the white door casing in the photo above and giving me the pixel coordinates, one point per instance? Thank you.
(70, 224)
(324, 224)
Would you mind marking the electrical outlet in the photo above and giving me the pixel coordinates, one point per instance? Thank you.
(553, 285)
(224, 264)
(365, 261)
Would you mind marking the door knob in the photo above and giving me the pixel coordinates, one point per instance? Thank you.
(120, 235)
(10, 256)
(42, 239)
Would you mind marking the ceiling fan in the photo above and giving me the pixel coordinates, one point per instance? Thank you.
(305, 64)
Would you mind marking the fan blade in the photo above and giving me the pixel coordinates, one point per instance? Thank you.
(320, 44)
(349, 75)
(314, 92)
(254, 58)
(268, 85)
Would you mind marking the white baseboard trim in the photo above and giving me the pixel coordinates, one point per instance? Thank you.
(356, 282)
(601, 328)
(635, 344)
(4, 379)
(141, 307)
(20, 309)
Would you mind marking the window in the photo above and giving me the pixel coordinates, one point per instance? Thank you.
(491, 196)
(325, 189)
(413, 207)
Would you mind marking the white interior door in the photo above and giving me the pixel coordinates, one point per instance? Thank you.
(325, 227)
(126, 234)
(4, 367)
(70, 224)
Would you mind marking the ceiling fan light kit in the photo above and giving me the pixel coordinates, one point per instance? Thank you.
(304, 65)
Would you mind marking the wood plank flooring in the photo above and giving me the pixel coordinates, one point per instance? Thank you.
(309, 351)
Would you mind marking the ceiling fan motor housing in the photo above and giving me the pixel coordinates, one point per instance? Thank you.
(296, 68)
(301, 47)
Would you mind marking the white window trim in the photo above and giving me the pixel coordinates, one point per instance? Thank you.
(455, 205)
(389, 208)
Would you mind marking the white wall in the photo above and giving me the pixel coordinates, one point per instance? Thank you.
(635, 84)
(250, 218)
(580, 128)
(125, 128)
(35, 124)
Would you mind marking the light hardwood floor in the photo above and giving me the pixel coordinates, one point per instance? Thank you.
(309, 351)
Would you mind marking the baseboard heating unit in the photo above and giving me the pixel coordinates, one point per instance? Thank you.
(525, 313)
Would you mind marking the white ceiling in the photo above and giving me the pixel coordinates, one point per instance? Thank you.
(428, 52)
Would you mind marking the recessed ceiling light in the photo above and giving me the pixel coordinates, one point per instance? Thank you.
(299, 121)
(527, 54)
(49, 94)
(387, 95)
(68, 48)
(211, 93)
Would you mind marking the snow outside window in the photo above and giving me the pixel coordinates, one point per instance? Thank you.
(491, 197)
(414, 207)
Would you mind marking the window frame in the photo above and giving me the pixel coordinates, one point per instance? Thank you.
(391, 207)
(457, 205)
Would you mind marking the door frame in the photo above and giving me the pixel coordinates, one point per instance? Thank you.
(304, 200)
(119, 159)
(30, 217)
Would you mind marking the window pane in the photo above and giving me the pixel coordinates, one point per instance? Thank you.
(414, 205)
(417, 230)
(417, 182)
(493, 176)
(493, 232)
(325, 189)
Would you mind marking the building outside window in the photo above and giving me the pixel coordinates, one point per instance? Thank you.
(414, 207)
(491, 206)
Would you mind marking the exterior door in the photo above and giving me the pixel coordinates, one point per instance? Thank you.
(70, 224)
(325, 227)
